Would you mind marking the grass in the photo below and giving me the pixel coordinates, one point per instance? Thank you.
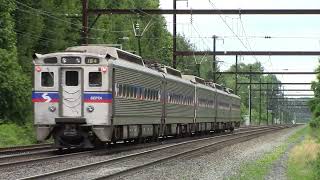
(258, 169)
(13, 135)
(304, 159)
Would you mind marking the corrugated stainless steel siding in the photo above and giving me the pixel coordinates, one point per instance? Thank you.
(176, 112)
(133, 107)
(205, 113)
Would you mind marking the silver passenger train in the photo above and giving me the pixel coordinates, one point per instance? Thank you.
(95, 94)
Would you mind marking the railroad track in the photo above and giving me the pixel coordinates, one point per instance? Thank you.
(122, 165)
(25, 158)
(24, 149)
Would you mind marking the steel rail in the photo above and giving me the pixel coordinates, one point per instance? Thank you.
(7, 159)
(42, 159)
(21, 149)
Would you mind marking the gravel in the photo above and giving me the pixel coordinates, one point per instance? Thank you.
(60, 164)
(221, 164)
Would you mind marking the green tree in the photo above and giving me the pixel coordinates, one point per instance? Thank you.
(314, 103)
(14, 85)
(243, 90)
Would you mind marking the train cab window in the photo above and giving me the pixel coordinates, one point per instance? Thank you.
(72, 78)
(47, 79)
(95, 79)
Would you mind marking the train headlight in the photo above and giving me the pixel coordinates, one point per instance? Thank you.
(90, 108)
(52, 109)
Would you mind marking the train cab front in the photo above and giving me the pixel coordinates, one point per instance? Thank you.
(71, 96)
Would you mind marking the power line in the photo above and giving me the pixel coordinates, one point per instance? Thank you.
(38, 38)
(48, 14)
(231, 29)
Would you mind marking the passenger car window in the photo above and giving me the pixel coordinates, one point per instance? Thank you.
(95, 79)
(72, 78)
(47, 79)
(120, 90)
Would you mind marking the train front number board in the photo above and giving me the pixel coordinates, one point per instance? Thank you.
(92, 60)
(71, 60)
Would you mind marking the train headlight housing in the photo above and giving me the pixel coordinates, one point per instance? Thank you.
(52, 108)
(90, 108)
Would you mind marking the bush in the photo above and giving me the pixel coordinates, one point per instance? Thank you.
(13, 135)
(15, 90)
(315, 123)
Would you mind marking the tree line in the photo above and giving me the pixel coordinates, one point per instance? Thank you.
(44, 26)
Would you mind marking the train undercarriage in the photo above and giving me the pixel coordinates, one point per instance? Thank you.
(83, 136)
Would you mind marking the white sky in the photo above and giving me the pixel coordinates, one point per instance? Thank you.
(199, 28)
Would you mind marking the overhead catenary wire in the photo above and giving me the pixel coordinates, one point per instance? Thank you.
(231, 29)
(50, 15)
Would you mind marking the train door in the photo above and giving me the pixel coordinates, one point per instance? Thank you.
(71, 92)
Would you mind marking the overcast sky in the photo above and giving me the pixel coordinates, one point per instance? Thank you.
(288, 32)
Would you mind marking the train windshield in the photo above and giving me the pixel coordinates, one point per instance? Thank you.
(72, 78)
(95, 79)
(47, 79)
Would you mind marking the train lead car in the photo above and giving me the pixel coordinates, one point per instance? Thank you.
(94, 94)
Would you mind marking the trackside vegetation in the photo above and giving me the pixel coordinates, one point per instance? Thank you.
(304, 159)
(314, 140)
(260, 168)
(14, 135)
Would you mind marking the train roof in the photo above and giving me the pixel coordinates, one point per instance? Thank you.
(108, 52)
(115, 53)
(194, 79)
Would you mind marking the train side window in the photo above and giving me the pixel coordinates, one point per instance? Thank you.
(47, 79)
(150, 94)
(154, 92)
(95, 79)
(124, 90)
(131, 91)
(120, 90)
(139, 92)
(72, 78)
(127, 91)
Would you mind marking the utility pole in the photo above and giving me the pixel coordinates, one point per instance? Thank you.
(260, 95)
(236, 77)
(198, 69)
(85, 22)
(138, 35)
(214, 62)
(174, 38)
(267, 92)
(250, 95)
(272, 95)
